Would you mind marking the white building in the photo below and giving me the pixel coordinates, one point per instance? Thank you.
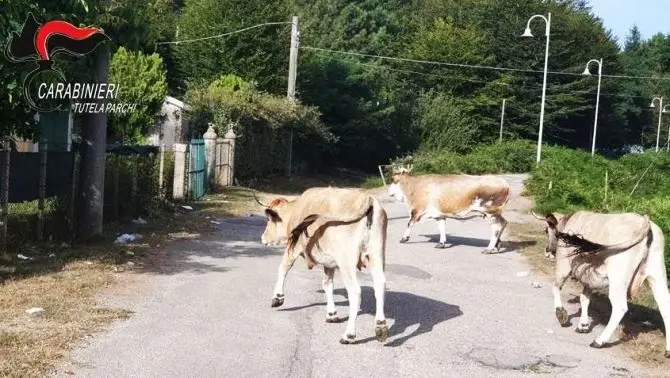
(171, 127)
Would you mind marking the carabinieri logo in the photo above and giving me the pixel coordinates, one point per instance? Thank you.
(39, 43)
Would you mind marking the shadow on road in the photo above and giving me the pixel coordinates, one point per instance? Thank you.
(233, 238)
(453, 241)
(406, 309)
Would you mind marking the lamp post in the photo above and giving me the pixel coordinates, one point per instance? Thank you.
(660, 117)
(667, 149)
(595, 120)
(527, 33)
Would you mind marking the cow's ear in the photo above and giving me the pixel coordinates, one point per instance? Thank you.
(272, 215)
(551, 220)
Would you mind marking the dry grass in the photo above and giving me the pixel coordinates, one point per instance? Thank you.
(66, 285)
(640, 332)
(32, 344)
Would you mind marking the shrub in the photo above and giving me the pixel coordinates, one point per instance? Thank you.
(372, 182)
(517, 156)
(264, 124)
(142, 81)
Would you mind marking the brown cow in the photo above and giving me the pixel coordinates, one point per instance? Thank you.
(443, 196)
(337, 228)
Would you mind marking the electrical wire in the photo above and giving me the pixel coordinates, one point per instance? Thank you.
(223, 34)
(475, 66)
(521, 86)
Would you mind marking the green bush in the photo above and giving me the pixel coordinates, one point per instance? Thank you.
(372, 182)
(264, 124)
(516, 156)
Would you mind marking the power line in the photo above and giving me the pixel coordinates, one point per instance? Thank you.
(421, 61)
(521, 86)
(476, 66)
(223, 34)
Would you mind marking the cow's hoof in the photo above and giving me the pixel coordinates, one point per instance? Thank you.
(277, 301)
(349, 339)
(381, 331)
(562, 316)
(441, 245)
(596, 345)
(489, 251)
(583, 328)
(667, 354)
(332, 318)
(404, 240)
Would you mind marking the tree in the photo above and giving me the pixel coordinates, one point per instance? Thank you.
(260, 54)
(141, 80)
(633, 39)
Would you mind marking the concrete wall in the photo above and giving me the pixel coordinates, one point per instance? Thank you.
(172, 127)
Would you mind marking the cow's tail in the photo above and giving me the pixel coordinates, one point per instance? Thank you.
(373, 250)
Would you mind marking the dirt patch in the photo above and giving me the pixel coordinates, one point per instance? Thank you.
(31, 344)
(61, 284)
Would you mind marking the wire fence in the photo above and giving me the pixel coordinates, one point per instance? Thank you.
(38, 191)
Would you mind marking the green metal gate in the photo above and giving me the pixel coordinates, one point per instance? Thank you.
(197, 172)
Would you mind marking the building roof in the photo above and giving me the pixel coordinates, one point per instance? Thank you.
(175, 102)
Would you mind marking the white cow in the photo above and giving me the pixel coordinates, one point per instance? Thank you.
(614, 253)
(337, 228)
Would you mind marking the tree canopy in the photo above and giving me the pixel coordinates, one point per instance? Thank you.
(386, 107)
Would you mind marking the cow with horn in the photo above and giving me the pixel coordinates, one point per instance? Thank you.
(451, 196)
(339, 228)
(610, 253)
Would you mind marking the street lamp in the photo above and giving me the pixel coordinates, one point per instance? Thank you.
(660, 117)
(595, 121)
(667, 149)
(527, 33)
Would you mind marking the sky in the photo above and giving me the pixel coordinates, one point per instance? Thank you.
(650, 16)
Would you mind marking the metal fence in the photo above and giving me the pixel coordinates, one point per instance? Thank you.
(38, 190)
(197, 174)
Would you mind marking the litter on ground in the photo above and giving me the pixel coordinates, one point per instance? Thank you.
(139, 221)
(127, 238)
(34, 311)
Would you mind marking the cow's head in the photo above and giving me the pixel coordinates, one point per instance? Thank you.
(275, 229)
(395, 189)
(553, 221)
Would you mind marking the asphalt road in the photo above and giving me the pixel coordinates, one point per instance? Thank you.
(452, 313)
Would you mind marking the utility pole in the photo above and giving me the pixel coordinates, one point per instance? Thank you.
(92, 167)
(502, 119)
(292, 73)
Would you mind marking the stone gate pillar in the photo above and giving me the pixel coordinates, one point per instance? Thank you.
(210, 156)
